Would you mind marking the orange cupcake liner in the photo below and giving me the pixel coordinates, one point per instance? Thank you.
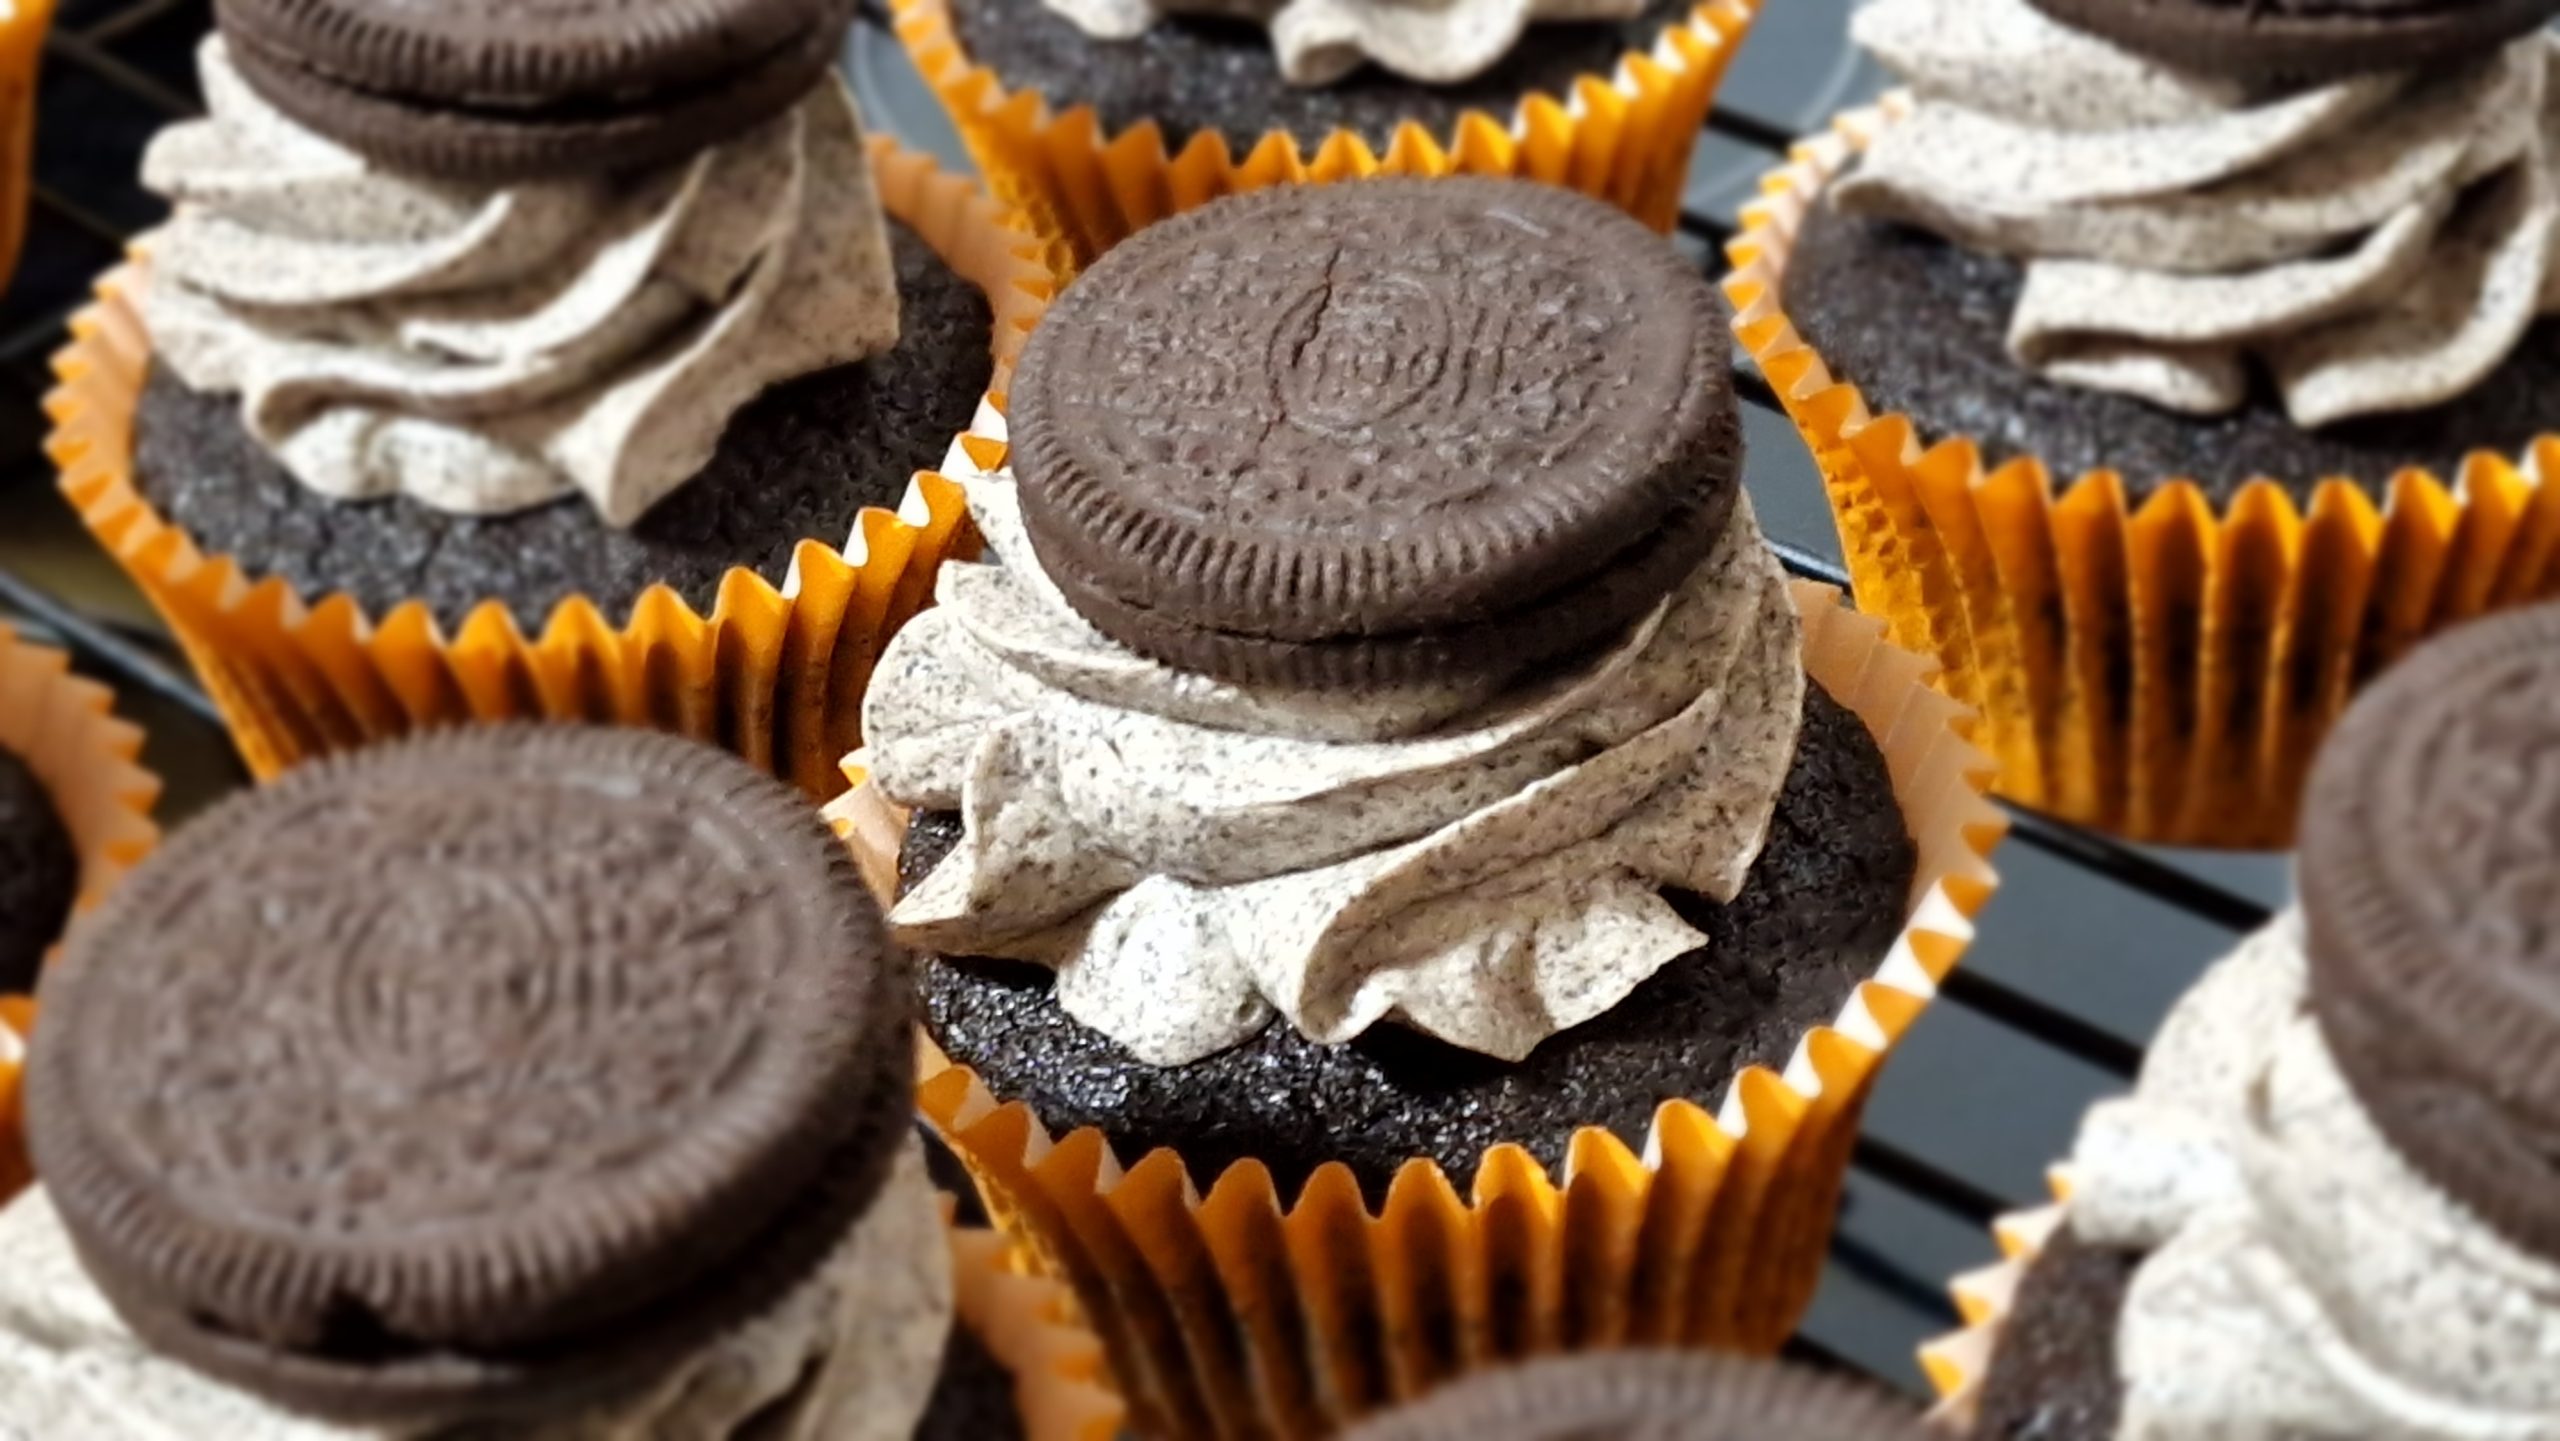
(1030, 1324)
(65, 729)
(2164, 671)
(1232, 1314)
(1957, 1364)
(1624, 138)
(774, 674)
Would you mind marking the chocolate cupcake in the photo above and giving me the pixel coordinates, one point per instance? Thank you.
(535, 1081)
(1350, 814)
(473, 323)
(1102, 117)
(75, 813)
(2328, 1208)
(1657, 1395)
(2175, 366)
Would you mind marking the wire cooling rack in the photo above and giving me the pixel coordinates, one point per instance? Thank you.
(2080, 954)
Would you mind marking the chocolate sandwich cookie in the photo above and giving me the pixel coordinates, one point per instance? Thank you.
(39, 875)
(2430, 879)
(1656, 1395)
(478, 1074)
(1822, 907)
(489, 90)
(2296, 40)
(1920, 325)
(1498, 429)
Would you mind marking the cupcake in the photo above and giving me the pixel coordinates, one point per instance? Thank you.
(75, 813)
(497, 362)
(2328, 1209)
(525, 1081)
(2173, 367)
(1101, 117)
(1382, 752)
(1656, 1395)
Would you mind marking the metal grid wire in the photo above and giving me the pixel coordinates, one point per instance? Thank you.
(1938, 1162)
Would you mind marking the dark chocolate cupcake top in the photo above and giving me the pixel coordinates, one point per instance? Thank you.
(2430, 879)
(39, 874)
(1326, 418)
(471, 1044)
(1649, 1396)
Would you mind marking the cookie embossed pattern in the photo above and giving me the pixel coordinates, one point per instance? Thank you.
(1331, 476)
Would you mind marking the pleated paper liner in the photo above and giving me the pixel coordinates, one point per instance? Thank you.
(1231, 1315)
(1031, 1325)
(775, 674)
(65, 729)
(1959, 1363)
(2163, 671)
(1624, 137)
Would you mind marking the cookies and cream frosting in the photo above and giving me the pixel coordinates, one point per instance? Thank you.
(851, 1354)
(1196, 858)
(2302, 1279)
(2378, 243)
(483, 349)
(1317, 42)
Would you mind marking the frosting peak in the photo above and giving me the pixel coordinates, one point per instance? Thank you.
(486, 349)
(1317, 42)
(2378, 243)
(1196, 857)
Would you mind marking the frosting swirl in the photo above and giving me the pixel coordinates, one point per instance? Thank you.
(1195, 857)
(2303, 1280)
(483, 349)
(1318, 42)
(851, 1354)
(2378, 244)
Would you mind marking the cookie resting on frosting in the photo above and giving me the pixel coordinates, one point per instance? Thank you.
(849, 1355)
(1195, 857)
(2378, 243)
(1319, 42)
(485, 349)
(2301, 1278)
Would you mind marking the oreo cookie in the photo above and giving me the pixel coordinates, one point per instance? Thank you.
(2430, 878)
(2304, 40)
(1383, 430)
(473, 1076)
(501, 90)
(1656, 1395)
